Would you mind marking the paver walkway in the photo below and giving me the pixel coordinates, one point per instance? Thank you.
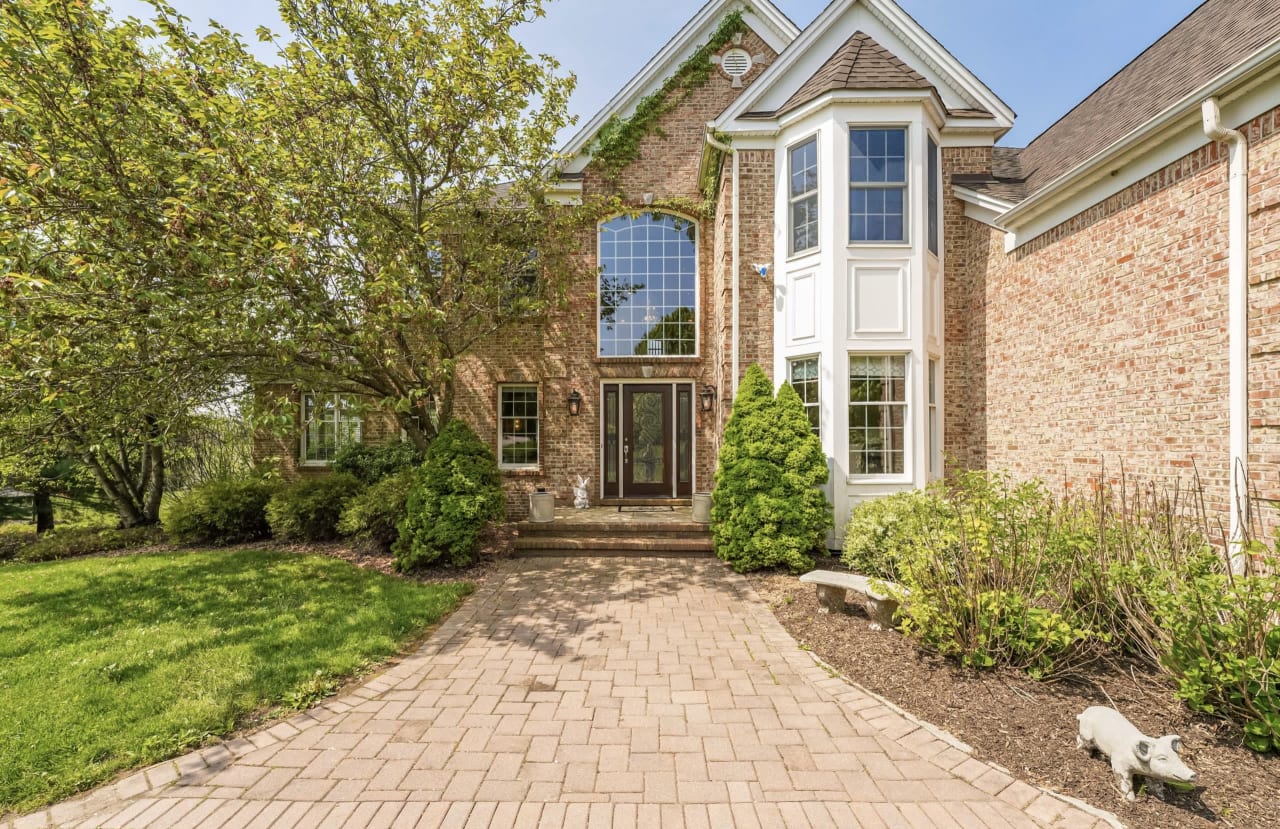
(610, 692)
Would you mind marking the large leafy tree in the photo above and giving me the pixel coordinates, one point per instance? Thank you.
(414, 141)
(132, 218)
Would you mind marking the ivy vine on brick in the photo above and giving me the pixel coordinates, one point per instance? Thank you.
(618, 142)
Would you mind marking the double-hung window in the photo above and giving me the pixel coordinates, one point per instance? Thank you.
(804, 196)
(877, 185)
(518, 427)
(329, 424)
(877, 414)
(804, 379)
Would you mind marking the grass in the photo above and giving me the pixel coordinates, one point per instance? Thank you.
(108, 664)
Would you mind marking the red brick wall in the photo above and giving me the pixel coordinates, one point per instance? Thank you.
(1104, 341)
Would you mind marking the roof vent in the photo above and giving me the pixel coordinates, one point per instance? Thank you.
(736, 63)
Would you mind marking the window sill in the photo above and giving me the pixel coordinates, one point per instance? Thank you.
(520, 471)
(804, 254)
(315, 464)
(879, 480)
(676, 360)
(890, 245)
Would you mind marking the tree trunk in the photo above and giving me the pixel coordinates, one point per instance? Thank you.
(154, 484)
(44, 513)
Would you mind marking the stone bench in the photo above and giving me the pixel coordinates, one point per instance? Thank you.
(833, 586)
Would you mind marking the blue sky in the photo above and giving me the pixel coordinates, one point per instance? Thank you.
(1041, 57)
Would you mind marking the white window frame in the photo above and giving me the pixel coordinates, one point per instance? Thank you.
(308, 405)
(817, 362)
(904, 185)
(815, 194)
(537, 419)
(906, 404)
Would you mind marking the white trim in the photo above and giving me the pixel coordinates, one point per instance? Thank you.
(776, 29)
(925, 47)
(520, 467)
(1149, 148)
(697, 286)
(981, 206)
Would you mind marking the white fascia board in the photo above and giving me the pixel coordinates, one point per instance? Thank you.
(897, 23)
(565, 192)
(1246, 91)
(982, 206)
(777, 30)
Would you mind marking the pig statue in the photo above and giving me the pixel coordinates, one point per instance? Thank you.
(580, 498)
(1132, 752)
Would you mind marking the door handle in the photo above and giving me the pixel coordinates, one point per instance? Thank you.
(626, 451)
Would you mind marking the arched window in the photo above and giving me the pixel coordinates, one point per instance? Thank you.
(648, 286)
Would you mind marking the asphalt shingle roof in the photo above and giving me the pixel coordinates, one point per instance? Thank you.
(1215, 37)
(860, 63)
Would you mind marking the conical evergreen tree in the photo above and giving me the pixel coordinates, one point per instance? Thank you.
(767, 509)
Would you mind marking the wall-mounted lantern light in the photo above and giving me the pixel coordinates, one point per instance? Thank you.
(575, 403)
(708, 398)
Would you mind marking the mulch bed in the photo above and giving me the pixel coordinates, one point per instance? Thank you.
(1029, 727)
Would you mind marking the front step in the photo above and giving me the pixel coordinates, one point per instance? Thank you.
(664, 529)
(612, 545)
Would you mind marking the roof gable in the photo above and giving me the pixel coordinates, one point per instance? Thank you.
(859, 63)
(962, 94)
(761, 16)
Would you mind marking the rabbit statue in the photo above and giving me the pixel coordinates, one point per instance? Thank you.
(580, 498)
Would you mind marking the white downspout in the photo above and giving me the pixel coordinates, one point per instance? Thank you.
(725, 148)
(1238, 320)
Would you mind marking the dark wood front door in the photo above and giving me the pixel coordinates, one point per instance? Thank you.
(646, 441)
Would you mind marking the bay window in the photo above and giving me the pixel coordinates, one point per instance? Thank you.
(878, 415)
(803, 166)
(877, 185)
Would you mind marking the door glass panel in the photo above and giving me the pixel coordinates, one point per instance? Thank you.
(648, 459)
(684, 427)
(611, 436)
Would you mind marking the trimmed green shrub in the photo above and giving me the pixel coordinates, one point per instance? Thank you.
(221, 512)
(881, 531)
(370, 464)
(60, 544)
(457, 494)
(991, 579)
(1224, 646)
(767, 509)
(376, 514)
(309, 509)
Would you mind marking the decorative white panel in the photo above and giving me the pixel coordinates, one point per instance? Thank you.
(879, 301)
(803, 304)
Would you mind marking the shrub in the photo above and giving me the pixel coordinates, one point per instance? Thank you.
(370, 464)
(60, 544)
(881, 530)
(14, 535)
(224, 511)
(458, 492)
(309, 509)
(767, 509)
(376, 514)
(992, 581)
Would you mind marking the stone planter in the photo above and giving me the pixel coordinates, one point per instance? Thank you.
(542, 507)
(702, 507)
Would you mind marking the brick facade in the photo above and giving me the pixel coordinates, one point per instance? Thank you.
(1103, 343)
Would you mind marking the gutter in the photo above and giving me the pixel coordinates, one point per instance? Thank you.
(725, 148)
(1238, 321)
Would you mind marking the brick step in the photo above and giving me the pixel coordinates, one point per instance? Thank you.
(529, 529)
(613, 545)
(574, 553)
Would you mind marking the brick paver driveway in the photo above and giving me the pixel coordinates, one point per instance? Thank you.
(607, 692)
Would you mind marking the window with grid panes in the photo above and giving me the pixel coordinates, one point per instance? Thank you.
(804, 379)
(648, 286)
(877, 185)
(518, 426)
(329, 424)
(877, 414)
(804, 196)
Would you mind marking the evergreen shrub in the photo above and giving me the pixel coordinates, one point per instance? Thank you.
(767, 509)
(220, 512)
(457, 494)
(309, 509)
(370, 464)
(376, 514)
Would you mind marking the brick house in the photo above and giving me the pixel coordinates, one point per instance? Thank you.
(1055, 310)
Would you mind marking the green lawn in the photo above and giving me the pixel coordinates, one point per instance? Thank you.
(113, 663)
